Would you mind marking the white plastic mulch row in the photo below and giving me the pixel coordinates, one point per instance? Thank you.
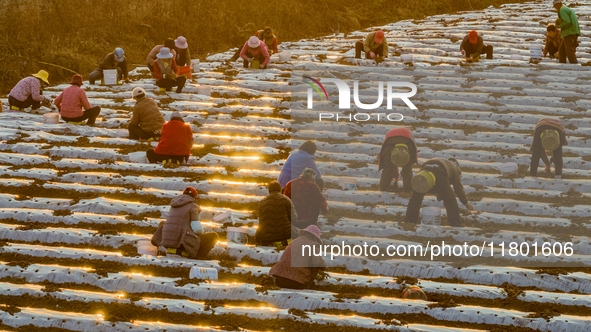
(303, 300)
(190, 307)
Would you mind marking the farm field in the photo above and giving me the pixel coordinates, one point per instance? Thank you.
(73, 205)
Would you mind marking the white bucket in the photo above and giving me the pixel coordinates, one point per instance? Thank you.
(406, 58)
(516, 57)
(110, 76)
(285, 56)
(535, 51)
(348, 183)
(195, 65)
(51, 118)
(145, 247)
(237, 235)
(508, 168)
(431, 215)
(138, 157)
(205, 273)
(204, 90)
(122, 132)
(224, 217)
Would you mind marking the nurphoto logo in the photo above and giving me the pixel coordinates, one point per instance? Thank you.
(344, 92)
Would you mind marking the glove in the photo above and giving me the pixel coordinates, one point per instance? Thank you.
(249, 59)
(263, 67)
(463, 52)
(547, 169)
(196, 227)
(46, 102)
(372, 55)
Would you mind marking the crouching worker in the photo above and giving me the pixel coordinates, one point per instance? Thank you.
(398, 150)
(435, 177)
(166, 72)
(28, 92)
(276, 213)
(254, 53)
(175, 143)
(375, 46)
(549, 137)
(146, 120)
(181, 233)
(473, 46)
(113, 60)
(553, 40)
(298, 266)
(73, 104)
(307, 198)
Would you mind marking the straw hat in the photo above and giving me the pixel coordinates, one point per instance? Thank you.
(423, 182)
(399, 155)
(42, 75)
(550, 139)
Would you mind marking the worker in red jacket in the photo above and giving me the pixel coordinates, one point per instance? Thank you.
(307, 198)
(398, 150)
(175, 142)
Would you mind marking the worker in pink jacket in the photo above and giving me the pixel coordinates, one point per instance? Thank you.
(253, 49)
(28, 92)
(73, 104)
(298, 266)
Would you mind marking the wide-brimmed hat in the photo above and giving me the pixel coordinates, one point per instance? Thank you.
(164, 53)
(378, 37)
(42, 75)
(312, 229)
(423, 182)
(557, 1)
(254, 42)
(550, 139)
(400, 155)
(76, 79)
(473, 36)
(181, 42)
(119, 54)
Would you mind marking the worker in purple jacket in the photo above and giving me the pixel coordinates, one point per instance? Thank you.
(297, 162)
